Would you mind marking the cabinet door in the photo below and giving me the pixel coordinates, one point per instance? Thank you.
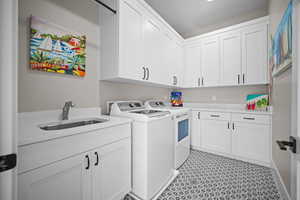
(69, 179)
(255, 54)
(231, 58)
(130, 41)
(162, 73)
(176, 68)
(196, 130)
(216, 136)
(192, 74)
(210, 61)
(251, 141)
(112, 171)
(152, 50)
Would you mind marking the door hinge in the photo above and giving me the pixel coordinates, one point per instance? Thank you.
(8, 162)
(292, 144)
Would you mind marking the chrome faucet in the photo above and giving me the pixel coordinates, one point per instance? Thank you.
(66, 109)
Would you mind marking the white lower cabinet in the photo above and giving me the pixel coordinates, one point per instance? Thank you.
(216, 136)
(100, 174)
(251, 141)
(196, 130)
(240, 136)
(111, 174)
(64, 180)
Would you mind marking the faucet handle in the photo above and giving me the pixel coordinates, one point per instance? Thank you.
(70, 103)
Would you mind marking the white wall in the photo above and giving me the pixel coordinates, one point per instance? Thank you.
(229, 95)
(281, 101)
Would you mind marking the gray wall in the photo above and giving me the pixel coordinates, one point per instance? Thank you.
(110, 91)
(281, 102)
(45, 91)
(229, 95)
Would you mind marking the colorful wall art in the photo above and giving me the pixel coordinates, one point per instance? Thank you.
(257, 102)
(281, 52)
(54, 49)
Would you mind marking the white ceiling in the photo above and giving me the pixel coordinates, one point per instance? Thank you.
(192, 17)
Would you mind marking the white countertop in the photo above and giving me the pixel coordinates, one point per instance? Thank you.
(29, 131)
(232, 108)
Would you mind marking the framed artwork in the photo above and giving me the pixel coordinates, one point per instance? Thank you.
(54, 49)
(281, 52)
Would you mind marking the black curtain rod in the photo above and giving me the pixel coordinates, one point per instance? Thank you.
(106, 6)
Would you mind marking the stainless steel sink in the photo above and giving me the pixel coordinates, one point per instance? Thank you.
(71, 124)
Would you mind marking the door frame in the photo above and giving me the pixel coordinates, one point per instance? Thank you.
(295, 129)
(8, 93)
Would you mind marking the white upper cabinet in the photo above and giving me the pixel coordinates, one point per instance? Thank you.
(138, 45)
(152, 52)
(177, 64)
(231, 58)
(255, 54)
(192, 70)
(210, 61)
(130, 51)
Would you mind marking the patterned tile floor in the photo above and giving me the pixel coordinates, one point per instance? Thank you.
(207, 176)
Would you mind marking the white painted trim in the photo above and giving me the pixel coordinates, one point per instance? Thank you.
(8, 93)
(295, 99)
(281, 186)
(160, 19)
(261, 20)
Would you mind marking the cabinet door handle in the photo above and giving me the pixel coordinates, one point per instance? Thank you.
(176, 80)
(97, 159)
(249, 118)
(199, 80)
(233, 127)
(239, 76)
(243, 78)
(88, 162)
(148, 73)
(198, 115)
(202, 81)
(144, 77)
(228, 125)
(214, 115)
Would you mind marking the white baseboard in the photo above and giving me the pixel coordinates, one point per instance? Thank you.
(280, 184)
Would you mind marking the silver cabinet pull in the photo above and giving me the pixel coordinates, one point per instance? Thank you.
(198, 115)
(144, 77)
(88, 162)
(214, 115)
(148, 73)
(249, 118)
(202, 81)
(239, 78)
(199, 80)
(243, 78)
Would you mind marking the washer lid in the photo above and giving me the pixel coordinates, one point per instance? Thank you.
(151, 113)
